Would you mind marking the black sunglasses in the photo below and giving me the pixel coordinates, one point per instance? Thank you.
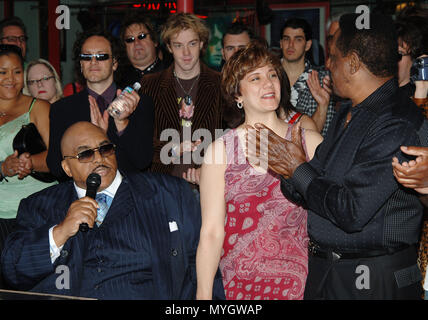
(98, 56)
(89, 155)
(132, 39)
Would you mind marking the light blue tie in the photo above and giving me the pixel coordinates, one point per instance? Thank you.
(104, 202)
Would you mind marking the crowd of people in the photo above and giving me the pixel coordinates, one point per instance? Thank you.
(272, 179)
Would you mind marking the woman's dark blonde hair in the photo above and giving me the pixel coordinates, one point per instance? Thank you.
(255, 55)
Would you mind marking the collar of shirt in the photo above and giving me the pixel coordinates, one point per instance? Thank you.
(110, 190)
(149, 69)
(108, 94)
(374, 100)
(300, 83)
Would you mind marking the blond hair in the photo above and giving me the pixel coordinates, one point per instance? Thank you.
(58, 86)
(183, 21)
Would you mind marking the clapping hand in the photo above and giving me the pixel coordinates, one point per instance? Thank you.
(283, 156)
(413, 174)
(96, 117)
(13, 165)
(25, 165)
(320, 93)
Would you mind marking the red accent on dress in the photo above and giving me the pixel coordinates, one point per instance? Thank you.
(264, 253)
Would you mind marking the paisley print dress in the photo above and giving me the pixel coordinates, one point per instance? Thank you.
(264, 254)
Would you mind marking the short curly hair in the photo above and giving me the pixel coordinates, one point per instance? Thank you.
(253, 56)
(376, 47)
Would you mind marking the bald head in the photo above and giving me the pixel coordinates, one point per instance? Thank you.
(81, 137)
(76, 130)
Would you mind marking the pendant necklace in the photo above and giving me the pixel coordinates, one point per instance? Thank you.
(3, 114)
(187, 97)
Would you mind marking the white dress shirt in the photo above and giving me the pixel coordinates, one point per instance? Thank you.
(110, 191)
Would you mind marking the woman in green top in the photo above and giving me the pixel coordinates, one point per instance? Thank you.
(17, 109)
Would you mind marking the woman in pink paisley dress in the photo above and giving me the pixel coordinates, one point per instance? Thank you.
(256, 236)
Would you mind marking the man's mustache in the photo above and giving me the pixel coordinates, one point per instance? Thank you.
(101, 166)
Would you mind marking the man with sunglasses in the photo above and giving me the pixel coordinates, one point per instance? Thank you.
(141, 42)
(141, 241)
(12, 31)
(97, 54)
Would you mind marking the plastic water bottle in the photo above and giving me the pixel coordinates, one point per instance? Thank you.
(115, 108)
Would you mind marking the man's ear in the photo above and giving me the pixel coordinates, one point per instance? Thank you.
(222, 54)
(115, 64)
(308, 45)
(354, 63)
(66, 168)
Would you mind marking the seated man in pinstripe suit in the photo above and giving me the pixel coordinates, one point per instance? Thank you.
(142, 248)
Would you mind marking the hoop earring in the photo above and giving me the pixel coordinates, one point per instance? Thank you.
(239, 105)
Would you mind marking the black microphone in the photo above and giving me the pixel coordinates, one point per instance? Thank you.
(92, 184)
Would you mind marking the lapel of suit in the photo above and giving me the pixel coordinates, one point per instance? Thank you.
(83, 105)
(63, 202)
(121, 206)
(168, 106)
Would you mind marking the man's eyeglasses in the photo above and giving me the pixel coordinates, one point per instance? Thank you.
(44, 79)
(89, 155)
(97, 56)
(15, 39)
(132, 39)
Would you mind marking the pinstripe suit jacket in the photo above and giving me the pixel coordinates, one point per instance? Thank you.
(132, 255)
(208, 107)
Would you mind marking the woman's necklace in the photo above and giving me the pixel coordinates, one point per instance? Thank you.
(187, 97)
(3, 114)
